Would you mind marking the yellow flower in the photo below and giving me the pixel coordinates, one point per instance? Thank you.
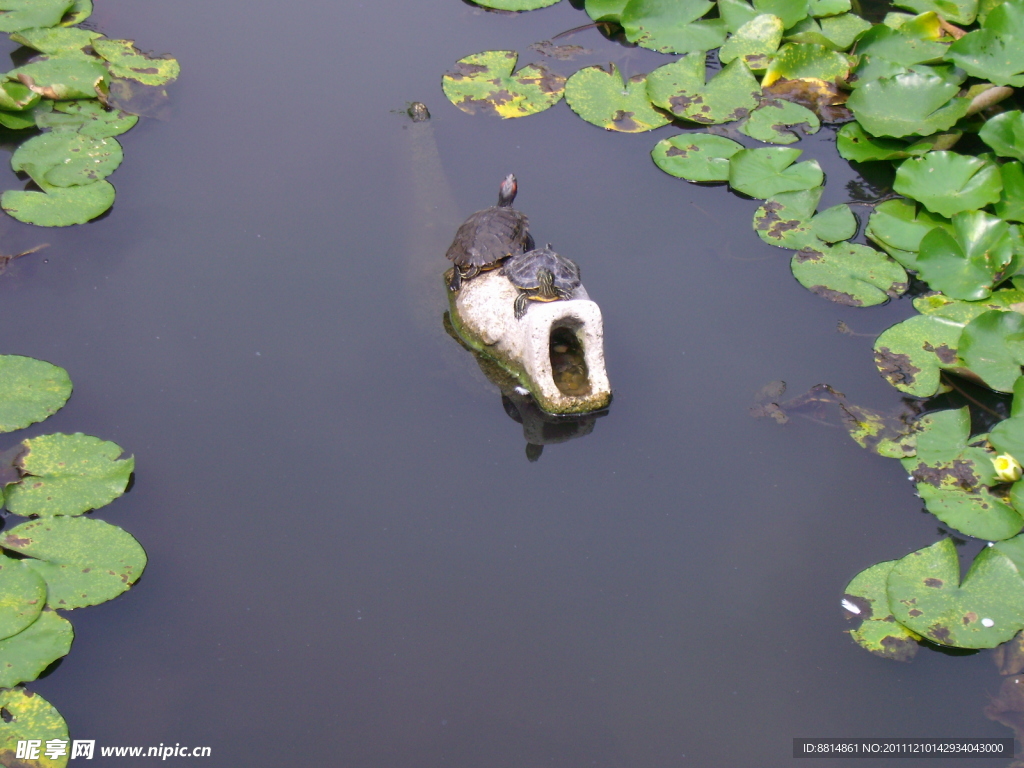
(1007, 468)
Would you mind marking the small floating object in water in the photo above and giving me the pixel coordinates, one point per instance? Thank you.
(418, 112)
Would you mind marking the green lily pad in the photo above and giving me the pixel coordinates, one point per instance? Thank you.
(680, 88)
(879, 632)
(696, 156)
(905, 104)
(855, 144)
(24, 656)
(1005, 134)
(54, 40)
(672, 26)
(127, 61)
(897, 227)
(1011, 199)
(68, 75)
(790, 11)
(798, 61)
(84, 561)
(854, 275)
(769, 171)
(79, 12)
(977, 513)
(59, 206)
(485, 82)
(910, 354)
(33, 390)
(17, 97)
(1008, 435)
(886, 436)
(31, 717)
(16, 15)
(66, 159)
(68, 475)
(754, 42)
(927, 596)
(736, 13)
(905, 46)
(837, 33)
(995, 52)
(87, 117)
(963, 312)
(604, 99)
(788, 221)
(605, 10)
(968, 262)
(957, 11)
(22, 596)
(948, 183)
(774, 120)
(992, 345)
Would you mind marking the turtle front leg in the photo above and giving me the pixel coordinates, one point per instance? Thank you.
(520, 306)
(454, 279)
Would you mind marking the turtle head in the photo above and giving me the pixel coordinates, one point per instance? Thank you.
(507, 193)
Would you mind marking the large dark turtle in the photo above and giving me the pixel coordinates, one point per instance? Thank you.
(541, 275)
(489, 236)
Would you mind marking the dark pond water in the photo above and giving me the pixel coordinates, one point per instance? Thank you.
(351, 560)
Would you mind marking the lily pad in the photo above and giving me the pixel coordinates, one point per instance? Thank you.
(54, 40)
(736, 13)
(978, 513)
(605, 100)
(606, 10)
(84, 561)
(17, 97)
(909, 103)
(957, 11)
(910, 354)
(879, 632)
(1005, 134)
(854, 275)
(788, 220)
(836, 33)
(80, 11)
(127, 61)
(855, 144)
(754, 42)
(485, 83)
(768, 171)
(30, 716)
(24, 656)
(672, 26)
(995, 52)
(22, 596)
(696, 156)
(68, 75)
(790, 11)
(16, 15)
(68, 475)
(59, 206)
(948, 183)
(1011, 199)
(992, 345)
(680, 88)
(33, 390)
(927, 596)
(798, 61)
(963, 312)
(901, 46)
(66, 159)
(897, 227)
(87, 117)
(968, 262)
(774, 120)
(893, 438)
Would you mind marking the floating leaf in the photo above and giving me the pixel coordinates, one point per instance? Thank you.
(87, 117)
(25, 655)
(769, 171)
(823, 99)
(897, 227)
(910, 354)
(127, 61)
(79, 12)
(957, 11)
(22, 596)
(68, 475)
(836, 33)
(84, 561)
(948, 183)
(910, 103)
(986, 609)
(893, 438)
(66, 159)
(605, 10)
(879, 632)
(16, 15)
(680, 88)
(977, 513)
(605, 100)
(17, 97)
(59, 206)
(68, 75)
(1005, 134)
(995, 52)
(966, 263)
(696, 156)
(787, 220)
(964, 311)
(854, 275)
(33, 390)
(992, 345)
(754, 42)
(855, 144)
(900, 46)
(485, 82)
(54, 40)
(1011, 199)
(790, 11)
(30, 716)
(736, 13)
(774, 120)
(797, 61)
(672, 26)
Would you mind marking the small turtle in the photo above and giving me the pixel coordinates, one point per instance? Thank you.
(541, 275)
(489, 236)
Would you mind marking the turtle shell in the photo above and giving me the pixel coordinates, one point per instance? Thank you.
(523, 270)
(490, 235)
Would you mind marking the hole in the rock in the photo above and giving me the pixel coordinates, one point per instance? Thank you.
(568, 366)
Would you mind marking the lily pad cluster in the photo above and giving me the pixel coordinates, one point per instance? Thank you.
(79, 92)
(58, 559)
